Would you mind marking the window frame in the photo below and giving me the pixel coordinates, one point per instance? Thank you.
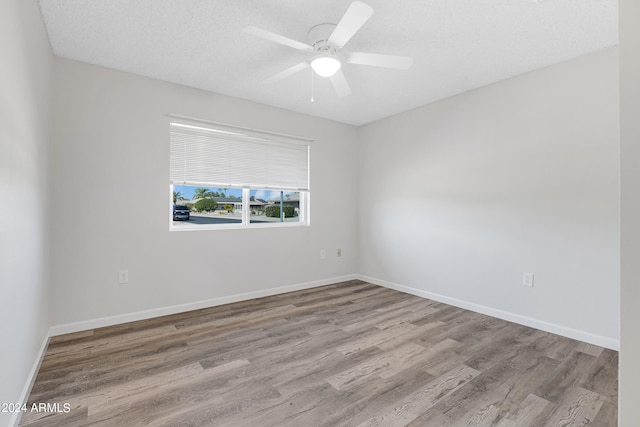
(245, 223)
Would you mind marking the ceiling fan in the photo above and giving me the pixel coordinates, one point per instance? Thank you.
(326, 43)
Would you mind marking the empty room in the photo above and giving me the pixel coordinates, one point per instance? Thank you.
(339, 213)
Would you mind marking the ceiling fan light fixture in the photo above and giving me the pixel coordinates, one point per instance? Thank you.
(326, 66)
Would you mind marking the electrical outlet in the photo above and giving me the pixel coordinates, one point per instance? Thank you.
(527, 279)
(323, 254)
(123, 277)
(339, 253)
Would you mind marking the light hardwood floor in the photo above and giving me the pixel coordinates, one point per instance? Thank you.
(349, 354)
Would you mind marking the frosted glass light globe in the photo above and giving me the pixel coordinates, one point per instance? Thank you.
(325, 66)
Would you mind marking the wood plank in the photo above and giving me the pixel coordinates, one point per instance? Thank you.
(602, 376)
(375, 337)
(368, 398)
(420, 401)
(377, 365)
(578, 407)
(526, 413)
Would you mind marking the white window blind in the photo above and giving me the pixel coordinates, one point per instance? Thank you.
(209, 155)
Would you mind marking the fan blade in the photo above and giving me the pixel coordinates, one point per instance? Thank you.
(340, 84)
(354, 18)
(288, 72)
(379, 60)
(277, 38)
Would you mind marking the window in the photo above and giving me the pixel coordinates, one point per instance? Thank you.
(269, 206)
(227, 177)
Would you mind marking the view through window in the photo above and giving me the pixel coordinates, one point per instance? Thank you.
(198, 205)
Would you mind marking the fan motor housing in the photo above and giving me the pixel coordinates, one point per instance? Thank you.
(318, 37)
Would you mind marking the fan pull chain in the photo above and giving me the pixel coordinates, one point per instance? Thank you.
(312, 100)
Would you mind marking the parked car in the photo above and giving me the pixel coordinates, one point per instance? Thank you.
(180, 213)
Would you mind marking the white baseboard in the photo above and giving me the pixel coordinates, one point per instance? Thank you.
(577, 334)
(84, 325)
(24, 396)
(588, 337)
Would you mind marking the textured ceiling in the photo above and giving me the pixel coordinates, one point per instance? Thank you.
(457, 45)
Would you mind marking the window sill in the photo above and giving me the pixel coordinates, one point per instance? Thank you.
(200, 227)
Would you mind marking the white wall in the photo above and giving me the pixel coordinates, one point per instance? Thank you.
(460, 197)
(111, 177)
(630, 212)
(24, 206)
